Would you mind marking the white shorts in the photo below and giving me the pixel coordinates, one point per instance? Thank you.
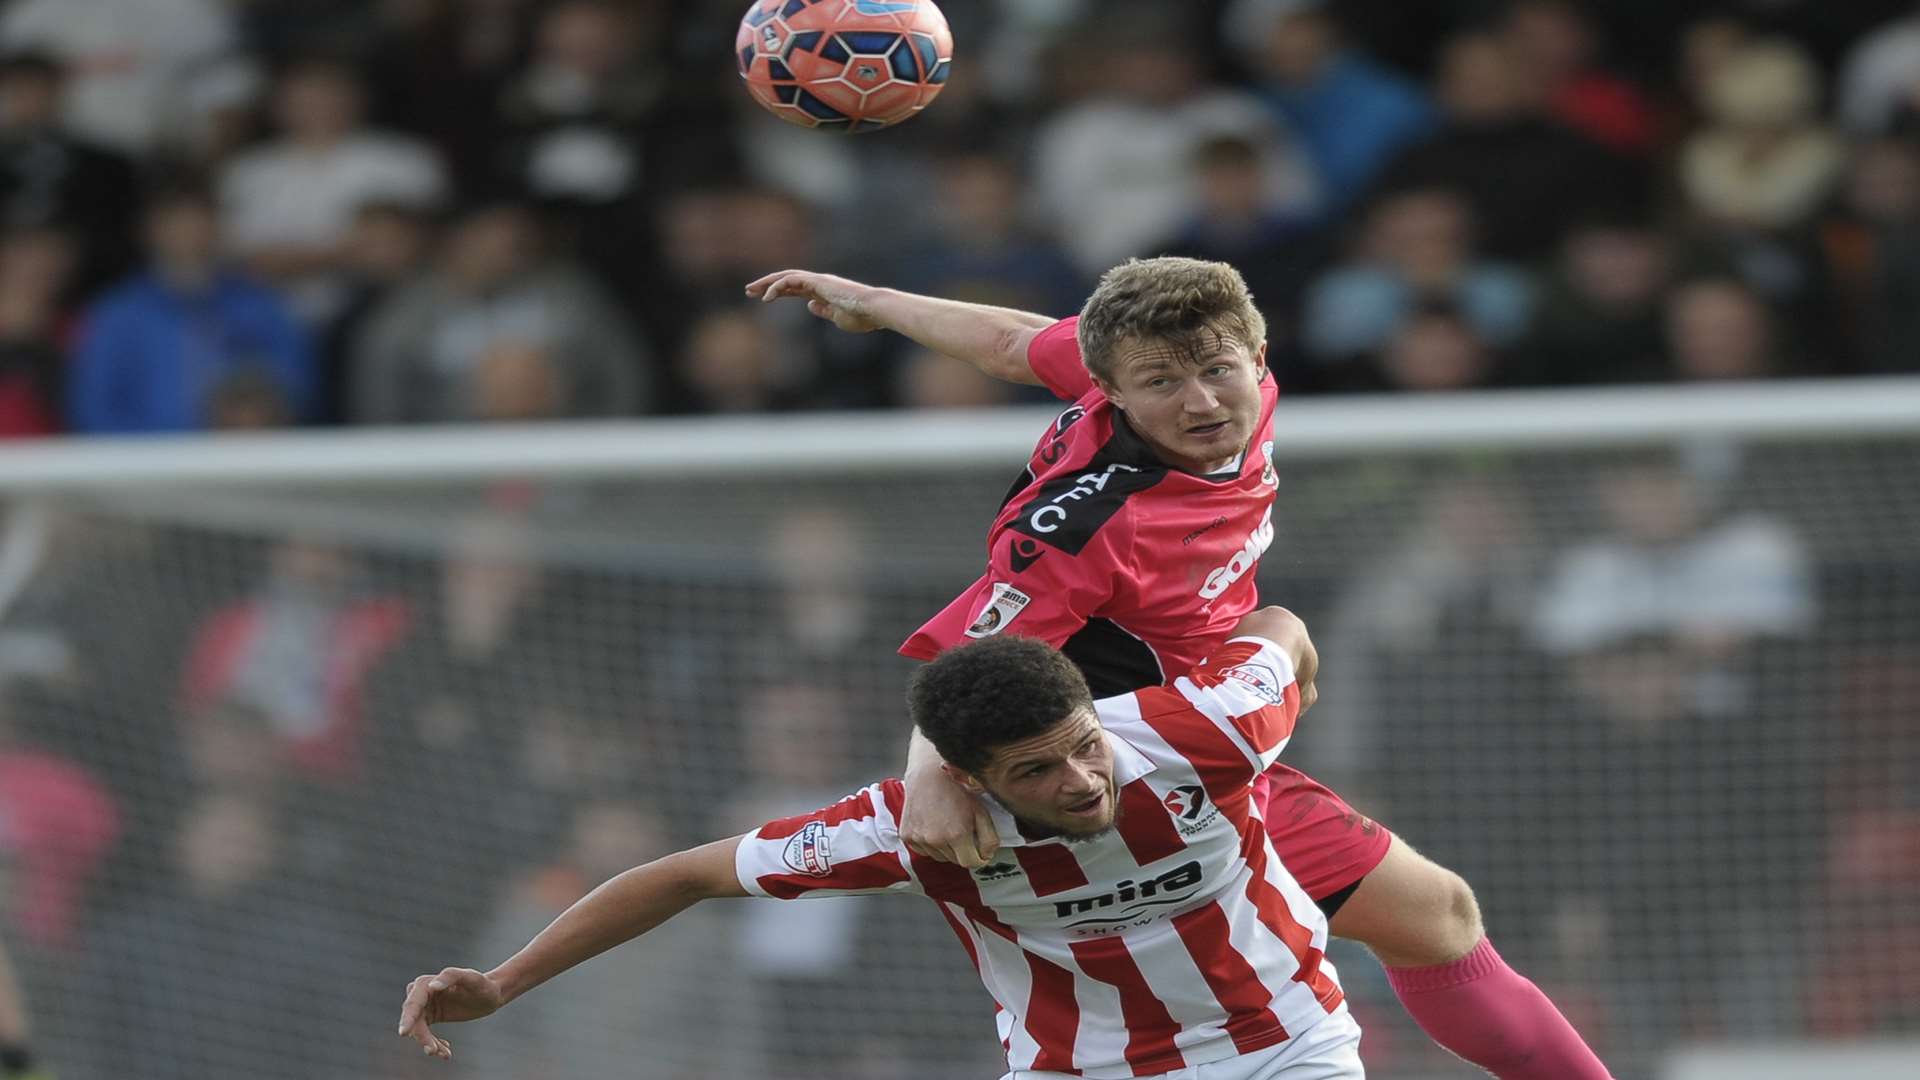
(1329, 1050)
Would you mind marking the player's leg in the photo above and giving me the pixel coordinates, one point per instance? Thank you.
(1422, 922)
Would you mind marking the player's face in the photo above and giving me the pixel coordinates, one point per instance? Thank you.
(1060, 780)
(1197, 413)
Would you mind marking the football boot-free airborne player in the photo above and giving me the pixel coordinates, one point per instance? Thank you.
(1144, 927)
(1131, 542)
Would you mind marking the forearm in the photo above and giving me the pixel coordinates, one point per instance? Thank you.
(921, 755)
(620, 910)
(992, 339)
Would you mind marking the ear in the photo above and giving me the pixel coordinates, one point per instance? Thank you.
(1260, 363)
(964, 778)
(1112, 393)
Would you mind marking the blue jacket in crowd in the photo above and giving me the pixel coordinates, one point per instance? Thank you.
(151, 357)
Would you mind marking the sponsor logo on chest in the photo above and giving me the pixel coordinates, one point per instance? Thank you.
(1242, 562)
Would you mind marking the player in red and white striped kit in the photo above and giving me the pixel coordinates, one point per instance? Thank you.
(1131, 541)
(1140, 923)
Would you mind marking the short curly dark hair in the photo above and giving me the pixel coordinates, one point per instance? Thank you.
(975, 698)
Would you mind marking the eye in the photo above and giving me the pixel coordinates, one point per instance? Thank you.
(1157, 383)
(1033, 771)
(1218, 370)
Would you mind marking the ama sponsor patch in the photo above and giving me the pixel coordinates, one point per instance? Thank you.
(1002, 608)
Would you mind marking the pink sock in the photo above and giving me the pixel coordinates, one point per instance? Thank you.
(1494, 1017)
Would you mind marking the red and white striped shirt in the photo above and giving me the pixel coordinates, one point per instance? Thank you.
(1175, 939)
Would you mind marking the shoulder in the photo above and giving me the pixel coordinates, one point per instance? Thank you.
(1084, 497)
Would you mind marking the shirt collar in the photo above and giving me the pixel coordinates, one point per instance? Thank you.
(1129, 764)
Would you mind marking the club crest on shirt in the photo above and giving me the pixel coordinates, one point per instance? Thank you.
(1003, 607)
(807, 851)
(1261, 679)
(1267, 475)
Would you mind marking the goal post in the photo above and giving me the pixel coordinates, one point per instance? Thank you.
(288, 719)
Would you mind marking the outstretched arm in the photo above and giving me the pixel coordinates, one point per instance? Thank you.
(617, 912)
(993, 339)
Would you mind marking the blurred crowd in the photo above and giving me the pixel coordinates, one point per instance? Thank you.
(223, 214)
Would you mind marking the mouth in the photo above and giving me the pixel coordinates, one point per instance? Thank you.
(1208, 431)
(1090, 807)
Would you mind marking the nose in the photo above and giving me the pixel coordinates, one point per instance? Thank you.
(1198, 398)
(1083, 779)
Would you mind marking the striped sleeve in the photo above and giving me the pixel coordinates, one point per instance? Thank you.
(850, 847)
(1245, 693)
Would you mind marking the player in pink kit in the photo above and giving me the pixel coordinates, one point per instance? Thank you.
(1141, 926)
(1130, 542)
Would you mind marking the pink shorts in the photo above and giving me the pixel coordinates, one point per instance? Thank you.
(1326, 845)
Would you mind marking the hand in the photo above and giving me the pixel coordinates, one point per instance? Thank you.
(453, 995)
(842, 302)
(943, 821)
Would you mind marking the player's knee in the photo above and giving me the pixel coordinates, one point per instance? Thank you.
(1457, 927)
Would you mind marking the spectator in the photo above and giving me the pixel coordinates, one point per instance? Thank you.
(1872, 240)
(131, 59)
(616, 1015)
(1352, 114)
(977, 244)
(1766, 162)
(49, 179)
(389, 246)
(35, 265)
(289, 205)
(298, 649)
(1112, 170)
(1879, 86)
(1559, 47)
(1718, 329)
(731, 364)
(1234, 222)
(1525, 175)
(1435, 349)
(176, 968)
(60, 823)
(1664, 619)
(155, 350)
(799, 958)
(1668, 567)
(1598, 320)
(1416, 245)
(928, 380)
(594, 129)
(441, 66)
(424, 355)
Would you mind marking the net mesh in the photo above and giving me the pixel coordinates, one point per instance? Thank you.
(267, 753)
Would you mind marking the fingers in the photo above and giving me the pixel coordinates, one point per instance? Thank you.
(986, 838)
(965, 854)
(415, 1011)
(413, 1015)
(784, 283)
(758, 286)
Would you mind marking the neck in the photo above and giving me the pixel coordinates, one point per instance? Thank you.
(186, 277)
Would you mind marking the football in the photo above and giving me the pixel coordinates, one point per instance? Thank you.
(844, 65)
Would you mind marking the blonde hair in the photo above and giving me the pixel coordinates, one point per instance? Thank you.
(1189, 304)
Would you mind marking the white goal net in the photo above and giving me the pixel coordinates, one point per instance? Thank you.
(287, 721)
